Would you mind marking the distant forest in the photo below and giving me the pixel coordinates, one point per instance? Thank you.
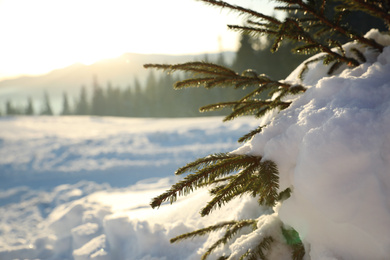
(158, 98)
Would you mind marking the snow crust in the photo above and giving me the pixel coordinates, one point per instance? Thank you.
(332, 147)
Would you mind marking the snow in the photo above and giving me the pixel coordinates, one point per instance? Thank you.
(79, 187)
(114, 150)
(332, 147)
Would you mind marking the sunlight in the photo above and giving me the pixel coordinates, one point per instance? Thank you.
(44, 35)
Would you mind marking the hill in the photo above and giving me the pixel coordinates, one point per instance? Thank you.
(120, 71)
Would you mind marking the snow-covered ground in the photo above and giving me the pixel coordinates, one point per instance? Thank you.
(80, 187)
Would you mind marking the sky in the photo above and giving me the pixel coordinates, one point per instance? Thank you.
(38, 36)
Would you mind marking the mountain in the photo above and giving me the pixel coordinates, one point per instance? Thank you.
(120, 71)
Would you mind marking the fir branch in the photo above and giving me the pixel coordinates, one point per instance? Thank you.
(204, 68)
(298, 252)
(321, 31)
(359, 55)
(230, 232)
(254, 31)
(223, 257)
(206, 82)
(283, 195)
(258, 252)
(224, 195)
(204, 162)
(235, 104)
(322, 9)
(242, 10)
(375, 9)
(216, 183)
(215, 75)
(306, 64)
(203, 231)
(309, 9)
(289, 8)
(302, 36)
(256, 23)
(242, 108)
(216, 189)
(338, 45)
(307, 49)
(219, 180)
(261, 91)
(257, 177)
(219, 166)
(269, 178)
(334, 67)
(252, 107)
(297, 89)
(250, 134)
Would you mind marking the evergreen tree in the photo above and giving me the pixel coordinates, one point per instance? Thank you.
(151, 94)
(98, 105)
(127, 105)
(312, 30)
(46, 110)
(82, 105)
(114, 101)
(137, 99)
(245, 56)
(221, 60)
(30, 108)
(65, 105)
(10, 110)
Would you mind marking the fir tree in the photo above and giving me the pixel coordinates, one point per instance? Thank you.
(151, 95)
(245, 56)
(10, 110)
(317, 27)
(98, 105)
(82, 106)
(126, 105)
(113, 101)
(46, 110)
(30, 108)
(65, 105)
(135, 99)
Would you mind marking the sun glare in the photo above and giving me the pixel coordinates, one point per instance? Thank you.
(43, 34)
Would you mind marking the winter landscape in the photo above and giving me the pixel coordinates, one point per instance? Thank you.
(309, 180)
(79, 187)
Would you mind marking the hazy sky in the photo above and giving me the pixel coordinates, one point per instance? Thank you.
(40, 35)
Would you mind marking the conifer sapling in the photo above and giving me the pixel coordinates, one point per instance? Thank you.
(309, 25)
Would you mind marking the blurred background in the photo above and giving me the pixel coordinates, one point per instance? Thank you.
(85, 57)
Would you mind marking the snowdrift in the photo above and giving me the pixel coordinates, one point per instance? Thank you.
(80, 187)
(332, 147)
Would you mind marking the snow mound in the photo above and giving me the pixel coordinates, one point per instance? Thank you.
(46, 213)
(332, 147)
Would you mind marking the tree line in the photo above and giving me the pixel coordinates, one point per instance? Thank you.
(156, 97)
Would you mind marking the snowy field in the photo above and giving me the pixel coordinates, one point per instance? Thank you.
(80, 187)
